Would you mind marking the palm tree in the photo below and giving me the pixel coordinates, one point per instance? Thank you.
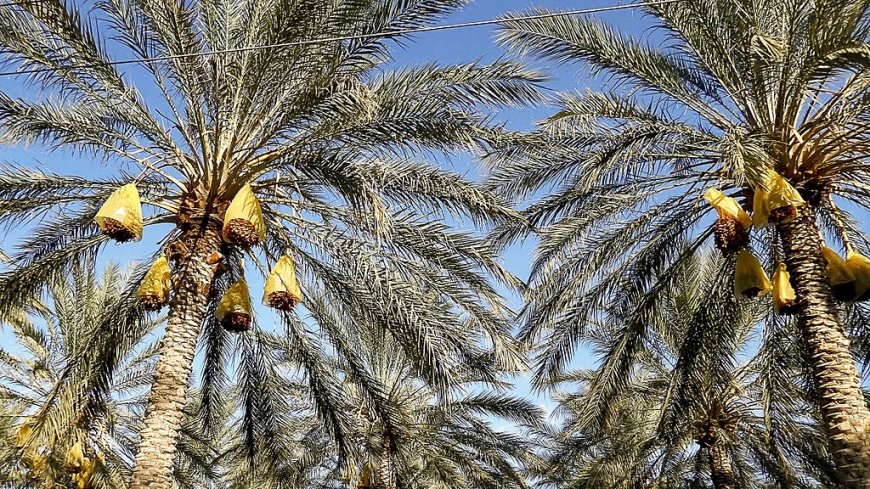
(761, 99)
(56, 393)
(437, 442)
(411, 439)
(324, 150)
(686, 414)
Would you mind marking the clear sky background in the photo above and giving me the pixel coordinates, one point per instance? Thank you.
(478, 43)
(445, 47)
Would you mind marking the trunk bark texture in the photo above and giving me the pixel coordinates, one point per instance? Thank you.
(721, 470)
(385, 475)
(838, 393)
(155, 458)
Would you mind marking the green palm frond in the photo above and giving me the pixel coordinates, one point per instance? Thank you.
(641, 424)
(76, 373)
(342, 153)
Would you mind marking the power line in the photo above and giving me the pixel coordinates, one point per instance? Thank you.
(22, 2)
(400, 32)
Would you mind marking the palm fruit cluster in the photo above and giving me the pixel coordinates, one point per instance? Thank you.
(153, 292)
(234, 311)
(777, 201)
(82, 469)
(750, 279)
(731, 230)
(282, 291)
(243, 222)
(783, 293)
(35, 462)
(849, 277)
(120, 218)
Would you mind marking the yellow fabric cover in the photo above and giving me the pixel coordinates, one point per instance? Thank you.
(760, 212)
(365, 478)
(859, 266)
(777, 193)
(236, 299)
(85, 477)
(838, 272)
(75, 458)
(246, 206)
(283, 279)
(727, 206)
(36, 464)
(749, 275)
(783, 293)
(125, 207)
(780, 193)
(157, 280)
(23, 435)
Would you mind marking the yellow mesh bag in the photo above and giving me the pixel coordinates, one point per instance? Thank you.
(842, 279)
(75, 458)
(243, 221)
(727, 207)
(282, 290)
(859, 266)
(235, 311)
(84, 479)
(154, 290)
(365, 478)
(760, 213)
(782, 199)
(120, 217)
(731, 229)
(783, 293)
(750, 279)
(23, 437)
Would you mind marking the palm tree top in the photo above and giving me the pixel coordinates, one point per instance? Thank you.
(337, 149)
(626, 167)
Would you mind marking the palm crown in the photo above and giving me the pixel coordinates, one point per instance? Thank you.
(324, 140)
(437, 442)
(687, 409)
(59, 397)
(765, 101)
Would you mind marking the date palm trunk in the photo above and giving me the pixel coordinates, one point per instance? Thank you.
(155, 458)
(844, 412)
(721, 470)
(385, 471)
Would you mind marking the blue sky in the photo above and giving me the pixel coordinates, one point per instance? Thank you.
(446, 47)
(472, 44)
